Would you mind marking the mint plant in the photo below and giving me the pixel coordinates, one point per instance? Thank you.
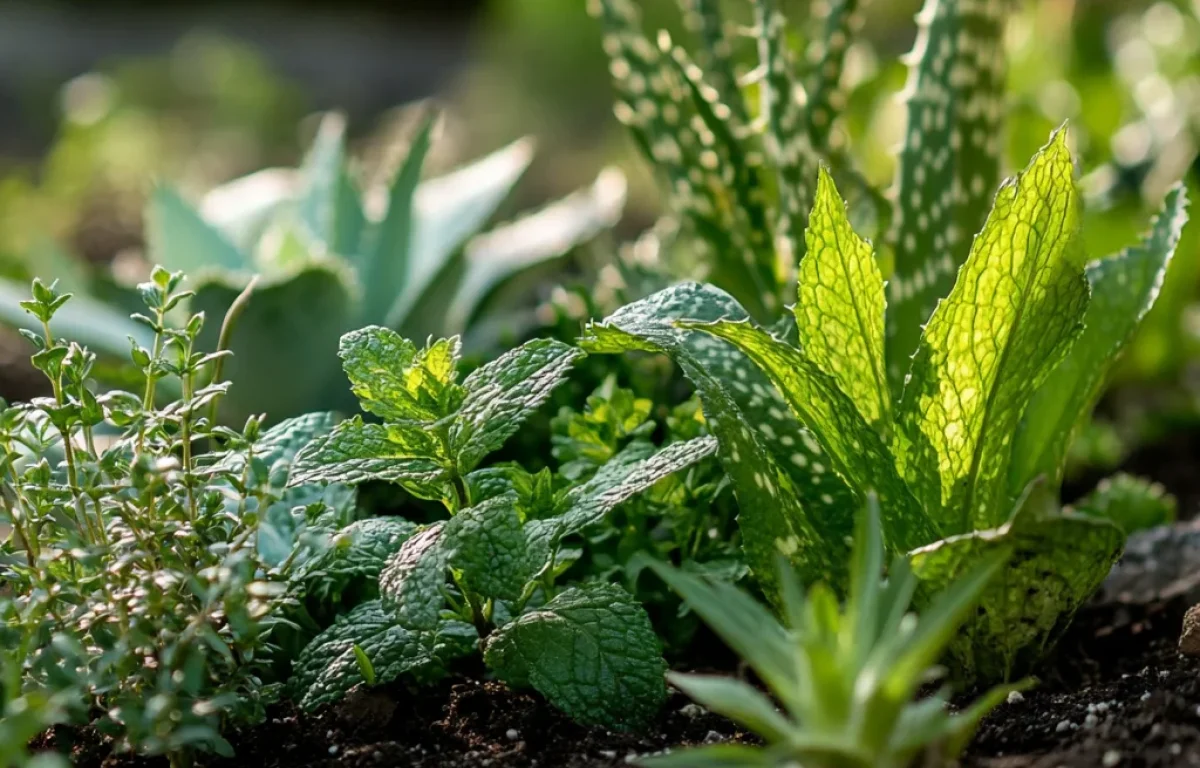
(487, 578)
(848, 678)
(138, 566)
(1010, 362)
(324, 256)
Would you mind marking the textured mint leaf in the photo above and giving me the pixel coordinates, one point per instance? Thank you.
(840, 306)
(394, 380)
(835, 25)
(1133, 503)
(283, 441)
(950, 162)
(356, 452)
(413, 579)
(590, 651)
(327, 668)
(354, 559)
(486, 544)
(626, 476)
(789, 502)
(856, 451)
(1057, 560)
(1124, 287)
(1013, 314)
(501, 394)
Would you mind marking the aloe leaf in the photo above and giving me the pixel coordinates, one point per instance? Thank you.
(181, 241)
(500, 254)
(855, 450)
(1057, 561)
(388, 266)
(350, 225)
(1124, 288)
(949, 163)
(451, 208)
(789, 500)
(270, 371)
(243, 208)
(835, 24)
(83, 319)
(840, 307)
(321, 173)
(715, 52)
(1014, 312)
(787, 140)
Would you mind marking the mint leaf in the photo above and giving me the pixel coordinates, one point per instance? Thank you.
(412, 581)
(501, 394)
(590, 651)
(1013, 313)
(840, 307)
(789, 502)
(1133, 503)
(398, 382)
(1057, 561)
(354, 559)
(486, 544)
(949, 165)
(1124, 287)
(855, 450)
(328, 667)
(356, 452)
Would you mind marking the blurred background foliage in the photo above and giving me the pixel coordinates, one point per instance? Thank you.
(198, 109)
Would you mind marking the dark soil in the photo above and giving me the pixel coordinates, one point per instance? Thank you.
(1116, 693)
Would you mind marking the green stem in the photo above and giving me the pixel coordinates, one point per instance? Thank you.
(227, 325)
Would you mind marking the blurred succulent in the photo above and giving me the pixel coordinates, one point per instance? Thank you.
(330, 257)
(1134, 502)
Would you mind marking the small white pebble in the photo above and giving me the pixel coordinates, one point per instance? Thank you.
(1062, 726)
(512, 734)
(1176, 749)
(691, 710)
(1015, 697)
(1091, 721)
(1164, 673)
(1146, 696)
(608, 754)
(333, 750)
(1111, 758)
(712, 737)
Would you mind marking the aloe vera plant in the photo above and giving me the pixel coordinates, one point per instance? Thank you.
(328, 259)
(847, 678)
(739, 148)
(1009, 363)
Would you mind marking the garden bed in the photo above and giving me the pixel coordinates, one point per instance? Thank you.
(1117, 692)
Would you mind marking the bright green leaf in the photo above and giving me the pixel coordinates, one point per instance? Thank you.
(1013, 314)
(395, 380)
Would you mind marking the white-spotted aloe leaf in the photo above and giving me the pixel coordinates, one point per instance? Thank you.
(327, 667)
(835, 24)
(715, 52)
(789, 502)
(1056, 561)
(395, 380)
(487, 547)
(1014, 312)
(840, 306)
(949, 163)
(856, 452)
(1124, 288)
(591, 651)
(501, 394)
(786, 140)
